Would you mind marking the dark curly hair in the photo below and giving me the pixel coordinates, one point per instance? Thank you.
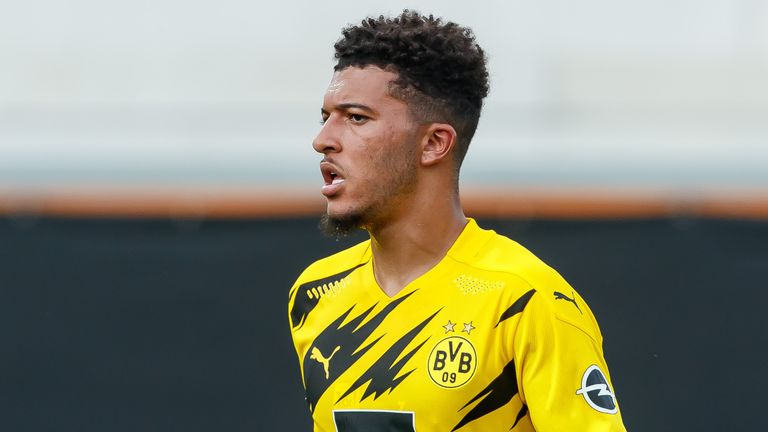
(441, 70)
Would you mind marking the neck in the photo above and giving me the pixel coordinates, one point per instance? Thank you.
(410, 243)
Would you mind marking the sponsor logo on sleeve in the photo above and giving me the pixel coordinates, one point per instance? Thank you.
(597, 392)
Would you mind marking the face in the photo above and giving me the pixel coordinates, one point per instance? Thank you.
(369, 146)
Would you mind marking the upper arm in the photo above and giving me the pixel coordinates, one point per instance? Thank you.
(562, 374)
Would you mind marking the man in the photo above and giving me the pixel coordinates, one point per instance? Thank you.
(433, 324)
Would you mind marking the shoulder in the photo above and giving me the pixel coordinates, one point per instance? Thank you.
(554, 295)
(321, 277)
(334, 265)
(493, 252)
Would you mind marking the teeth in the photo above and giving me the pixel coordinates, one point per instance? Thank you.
(337, 180)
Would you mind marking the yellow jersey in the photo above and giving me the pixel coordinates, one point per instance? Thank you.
(489, 339)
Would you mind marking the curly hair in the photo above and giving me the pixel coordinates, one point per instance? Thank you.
(441, 70)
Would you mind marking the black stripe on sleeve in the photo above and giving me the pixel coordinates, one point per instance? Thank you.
(516, 307)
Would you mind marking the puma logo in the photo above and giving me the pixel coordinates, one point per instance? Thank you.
(318, 356)
(561, 296)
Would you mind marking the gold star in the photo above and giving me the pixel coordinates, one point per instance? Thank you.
(449, 327)
(468, 327)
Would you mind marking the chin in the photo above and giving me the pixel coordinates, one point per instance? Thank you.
(339, 208)
(339, 226)
(341, 218)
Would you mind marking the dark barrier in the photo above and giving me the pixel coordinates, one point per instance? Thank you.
(109, 325)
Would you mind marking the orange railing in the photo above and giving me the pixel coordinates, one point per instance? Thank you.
(253, 202)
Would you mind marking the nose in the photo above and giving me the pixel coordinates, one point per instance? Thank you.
(327, 140)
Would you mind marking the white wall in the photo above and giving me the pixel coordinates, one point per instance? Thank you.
(670, 93)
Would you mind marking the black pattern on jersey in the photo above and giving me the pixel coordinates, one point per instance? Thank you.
(382, 373)
(497, 394)
(349, 338)
(520, 414)
(303, 304)
(516, 307)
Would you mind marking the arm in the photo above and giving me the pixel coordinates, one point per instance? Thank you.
(562, 374)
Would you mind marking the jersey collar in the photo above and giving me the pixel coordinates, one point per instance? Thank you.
(469, 242)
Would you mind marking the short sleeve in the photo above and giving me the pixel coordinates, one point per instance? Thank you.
(562, 374)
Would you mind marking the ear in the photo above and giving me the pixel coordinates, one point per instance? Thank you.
(437, 144)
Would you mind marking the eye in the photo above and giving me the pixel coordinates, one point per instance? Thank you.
(324, 115)
(358, 118)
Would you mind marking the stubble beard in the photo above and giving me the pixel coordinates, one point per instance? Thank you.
(338, 227)
(400, 182)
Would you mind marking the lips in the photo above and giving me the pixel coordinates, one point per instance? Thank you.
(333, 179)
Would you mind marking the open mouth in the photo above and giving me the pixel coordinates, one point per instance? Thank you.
(335, 178)
(331, 176)
(332, 179)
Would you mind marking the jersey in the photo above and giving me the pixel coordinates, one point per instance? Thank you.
(489, 339)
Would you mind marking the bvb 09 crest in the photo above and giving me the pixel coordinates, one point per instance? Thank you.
(452, 362)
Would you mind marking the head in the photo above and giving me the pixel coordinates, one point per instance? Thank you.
(404, 100)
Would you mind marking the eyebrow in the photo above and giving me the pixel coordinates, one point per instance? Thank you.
(348, 105)
(356, 105)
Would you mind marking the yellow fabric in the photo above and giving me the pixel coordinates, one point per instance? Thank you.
(489, 338)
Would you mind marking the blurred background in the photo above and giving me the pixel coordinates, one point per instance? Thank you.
(159, 195)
